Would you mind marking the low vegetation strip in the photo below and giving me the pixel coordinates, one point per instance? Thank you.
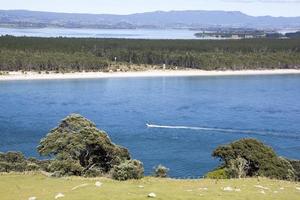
(88, 54)
(78, 148)
(37, 186)
(86, 164)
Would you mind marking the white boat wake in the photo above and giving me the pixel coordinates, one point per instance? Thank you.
(224, 130)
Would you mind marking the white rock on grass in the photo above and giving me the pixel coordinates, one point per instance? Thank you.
(228, 189)
(263, 192)
(59, 195)
(275, 192)
(151, 195)
(297, 188)
(281, 188)
(32, 198)
(203, 188)
(140, 186)
(98, 184)
(237, 189)
(261, 187)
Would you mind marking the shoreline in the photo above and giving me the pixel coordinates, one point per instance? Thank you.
(14, 76)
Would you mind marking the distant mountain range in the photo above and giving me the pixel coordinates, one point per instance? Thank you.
(158, 19)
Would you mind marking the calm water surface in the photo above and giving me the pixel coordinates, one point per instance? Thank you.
(266, 106)
(102, 33)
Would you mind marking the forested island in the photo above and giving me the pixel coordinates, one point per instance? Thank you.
(79, 54)
(245, 34)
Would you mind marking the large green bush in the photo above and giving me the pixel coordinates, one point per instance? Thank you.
(130, 169)
(80, 149)
(257, 160)
(77, 140)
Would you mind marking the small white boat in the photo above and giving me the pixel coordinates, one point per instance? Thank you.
(151, 126)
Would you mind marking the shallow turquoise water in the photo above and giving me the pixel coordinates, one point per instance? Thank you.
(263, 107)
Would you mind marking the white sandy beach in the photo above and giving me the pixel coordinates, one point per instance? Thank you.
(154, 73)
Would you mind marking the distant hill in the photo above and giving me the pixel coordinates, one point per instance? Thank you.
(158, 19)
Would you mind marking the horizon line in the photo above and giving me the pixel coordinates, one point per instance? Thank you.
(154, 11)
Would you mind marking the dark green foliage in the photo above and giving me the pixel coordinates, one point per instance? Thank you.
(93, 172)
(78, 146)
(296, 166)
(66, 167)
(218, 174)
(130, 169)
(161, 171)
(260, 159)
(43, 164)
(12, 157)
(32, 167)
(16, 162)
(12, 161)
(5, 167)
(77, 54)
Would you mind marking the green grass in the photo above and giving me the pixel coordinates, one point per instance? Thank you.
(22, 186)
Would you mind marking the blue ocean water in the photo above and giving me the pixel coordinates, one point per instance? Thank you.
(196, 114)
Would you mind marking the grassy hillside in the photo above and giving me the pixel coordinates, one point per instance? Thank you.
(20, 186)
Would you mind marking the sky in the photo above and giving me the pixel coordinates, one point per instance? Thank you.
(251, 7)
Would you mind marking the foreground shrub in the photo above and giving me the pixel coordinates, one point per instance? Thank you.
(161, 171)
(130, 169)
(218, 174)
(5, 167)
(42, 164)
(78, 141)
(32, 167)
(12, 157)
(296, 166)
(250, 157)
(66, 167)
(16, 162)
(93, 172)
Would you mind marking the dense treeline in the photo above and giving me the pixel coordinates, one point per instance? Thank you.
(78, 54)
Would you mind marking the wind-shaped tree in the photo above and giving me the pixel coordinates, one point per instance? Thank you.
(250, 157)
(79, 148)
